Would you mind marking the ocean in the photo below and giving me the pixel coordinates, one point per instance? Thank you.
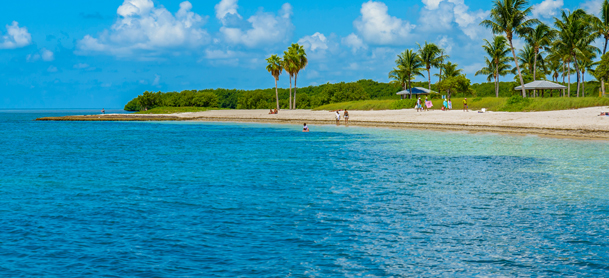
(149, 199)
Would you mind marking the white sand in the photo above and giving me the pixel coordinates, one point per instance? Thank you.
(581, 123)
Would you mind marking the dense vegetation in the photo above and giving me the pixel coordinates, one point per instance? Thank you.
(316, 96)
(308, 97)
(515, 103)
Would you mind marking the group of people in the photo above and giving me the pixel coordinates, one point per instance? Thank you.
(423, 106)
(446, 105)
(274, 111)
(604, 114)
(345, 115)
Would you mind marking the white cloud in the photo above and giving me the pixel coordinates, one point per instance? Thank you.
(45, 54)
(472, 68)
(437, 18)
(445, 43)
(261, 29)
(547, 8)
(431, 4)
(314, 42)
(15, 37)
(52, 69)
(226, 7)
(142, 27)
(354, 42)
(444, 12)
(376, 26)
(593, 6)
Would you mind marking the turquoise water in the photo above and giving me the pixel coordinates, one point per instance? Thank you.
(257, 200)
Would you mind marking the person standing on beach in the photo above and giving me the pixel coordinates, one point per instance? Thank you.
(103, 111)
(450, 105)
(445, 104)
(337, 118)
(465, 108)
(425, 106)
(418, 106)
(346, 116)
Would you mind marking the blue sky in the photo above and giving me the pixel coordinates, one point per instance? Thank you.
(89, 54)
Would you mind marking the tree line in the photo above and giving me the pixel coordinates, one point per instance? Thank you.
(550, 51)
(308, 97)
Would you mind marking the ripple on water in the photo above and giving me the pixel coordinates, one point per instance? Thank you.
(208, 199)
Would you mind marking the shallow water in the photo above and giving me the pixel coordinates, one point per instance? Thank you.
(255, 200)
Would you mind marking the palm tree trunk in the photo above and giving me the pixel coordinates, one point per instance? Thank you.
(535, 66)
(429, 79)
(577, 71)
(295, 88)
(290, 103)
(497, 79)
(569, 79)
(524, 94)
(602, 79)
(276, 94)
(583, 85)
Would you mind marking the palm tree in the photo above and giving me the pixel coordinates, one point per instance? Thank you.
(539, 38)
(410, 65)
(441, 59)
(497, 52)
(527, 59)
(399, 77)
(587, 65)
(275, 67)
(493, 71)
(561, 55)
(574, 36)
(430, 56)
(450, 70)
(601, 27)
(512, 18)
(290, 65)
(301, 61)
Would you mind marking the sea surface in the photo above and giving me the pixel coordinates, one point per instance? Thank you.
(148, 199)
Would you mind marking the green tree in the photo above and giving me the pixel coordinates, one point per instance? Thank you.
(430, 56)
(512, 18)
(290, 65)
(454, 84)
(602, 70)
(601, 27)
(205, 99)
(450, 70)
(148, 100)
(409, 65)
(497, 52)
(275, 67)
(574, 37)
(301, 61)
(539, 39)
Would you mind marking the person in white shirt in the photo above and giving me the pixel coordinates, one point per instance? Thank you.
(337, 118)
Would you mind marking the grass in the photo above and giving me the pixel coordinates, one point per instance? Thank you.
(173, 110)
(490, 103)
(358, 105)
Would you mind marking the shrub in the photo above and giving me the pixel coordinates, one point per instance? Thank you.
(403, 104)
(205, 99)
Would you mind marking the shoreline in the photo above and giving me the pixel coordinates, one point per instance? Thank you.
(579, 124)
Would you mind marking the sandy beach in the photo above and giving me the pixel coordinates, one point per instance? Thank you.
(580, 123)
